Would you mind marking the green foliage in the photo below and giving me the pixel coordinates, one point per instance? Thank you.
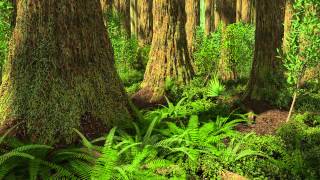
(234, 45)
(302, 145)
(237, 48)
(208, 51)
(215, 88)
(301, 58)
(130, 58)
(35, 161)
(5, 31)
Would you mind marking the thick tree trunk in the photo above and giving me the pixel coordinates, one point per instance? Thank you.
(217, 13)
(266, 74)
(123, 7)
(287, 24)
(243, 11)
(60, 74)
(144, 22)
(169, 57)
(209, 16)
(192, 8)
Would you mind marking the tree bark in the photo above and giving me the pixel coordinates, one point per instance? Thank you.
(144, 22)
(133, 18)
(228, 12)
(192, 8)
(169, 56)
(106, 5)
(60, 74)
(123, 7)
(209, 16)
(266, 74)
(217, 13)
(243, 11)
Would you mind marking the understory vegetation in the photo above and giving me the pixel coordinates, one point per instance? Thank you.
(196, 135)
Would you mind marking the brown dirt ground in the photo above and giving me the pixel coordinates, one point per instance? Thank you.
(266, 122)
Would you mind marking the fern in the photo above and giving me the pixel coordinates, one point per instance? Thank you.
(215, 88)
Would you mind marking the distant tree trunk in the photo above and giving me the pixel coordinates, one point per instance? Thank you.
(217, 12)
(287, 24)
(144, 22)
(209, 16)
(169, 57)
(253, 13)
(243, 11)
(239, 10)
(133, 17)
(192, 8)
(106, 5)
(123, 7)
(266, 74)
(14, 13)
(228, 12)
(60, 74)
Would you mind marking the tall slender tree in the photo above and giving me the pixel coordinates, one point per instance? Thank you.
(169, 56)
(209, 16)
(217, 13)
(243, 11)
(266, 73)
(123, 8)
(228, 12)
(60, 74)
(144, 21)
(193, 21)
(133, 18)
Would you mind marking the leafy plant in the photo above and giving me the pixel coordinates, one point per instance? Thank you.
(304, 45)
(215, 88)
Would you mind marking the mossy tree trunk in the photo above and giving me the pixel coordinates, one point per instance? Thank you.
(169, 56)
(123, 7)
(144, 22)
(243, 11)
(60, 74)
(209, 16)
(192, 8)
(266, 74)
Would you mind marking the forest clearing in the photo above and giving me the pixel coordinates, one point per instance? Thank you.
(159, 89)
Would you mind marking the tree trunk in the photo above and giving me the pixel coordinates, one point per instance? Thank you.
(228, 12)
(14, 13)
(266, 74)
(287, 24)
(243, 11)
(60, 74)
(123, 7)
(106, 5)
(169, 57)
(209, 16)
(144, 21)
(217, 13)
(133, 17)
(239, 10)
(192, 8)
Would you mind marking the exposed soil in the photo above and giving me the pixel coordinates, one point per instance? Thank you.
(266, 122)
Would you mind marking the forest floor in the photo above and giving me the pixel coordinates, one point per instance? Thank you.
(265, 122)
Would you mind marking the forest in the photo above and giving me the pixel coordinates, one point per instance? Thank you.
(159, 89)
